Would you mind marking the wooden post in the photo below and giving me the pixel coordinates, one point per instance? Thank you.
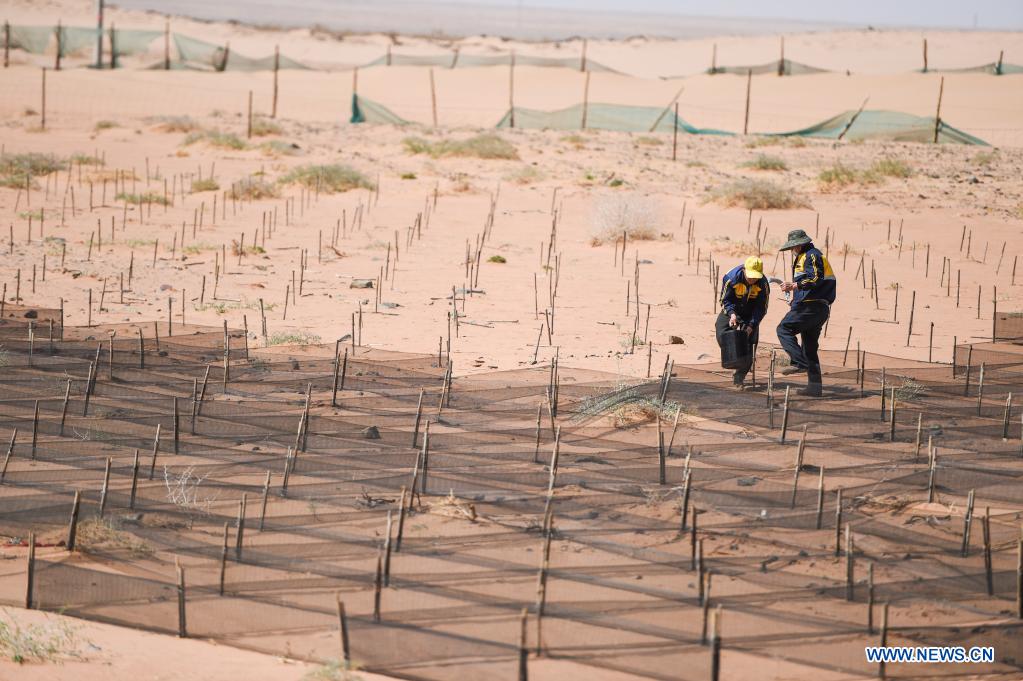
(262, 507)
(134, 480)
(342, 626)
(838, 522)
(166, 46)
(30, 570)
(586, 100)
(35, 428)
(223, 560)
(925, 55)
(105, 489)
(433, 99)
(820, 497)
(1019, 579)
(511, 92)
(870, 598)
(891, 418)
(277, 67)
(182, 626)
(156, 449)
(419, 416)
(377, 584)
(937, 115)
(523, 646)
(72, 530)
(749, 85)
(42, 111)
(240, 535)
(785, 415)
(850, 566)
(967, 523)
(715, 645)
(798, 466)
(985, 524)
(912, 310)
(248, 133)
(884, 639)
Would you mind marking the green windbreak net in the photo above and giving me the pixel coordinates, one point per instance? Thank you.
(32, 39)
(130, 43)
(368, 111)
(199, 54)
(453, 60)
(887, 125)
(604, 117)
(74, 40)
(994, 69)
(788, 68)
(890, 125)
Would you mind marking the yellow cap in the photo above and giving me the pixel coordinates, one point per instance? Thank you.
(754, 267)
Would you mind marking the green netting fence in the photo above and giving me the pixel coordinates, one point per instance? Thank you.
(852, 125)
(459, 60)
(783, 67)
(192, 53)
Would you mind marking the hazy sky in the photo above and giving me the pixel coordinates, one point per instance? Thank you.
(989, 14)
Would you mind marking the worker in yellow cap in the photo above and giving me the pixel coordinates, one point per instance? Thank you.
(745, 293)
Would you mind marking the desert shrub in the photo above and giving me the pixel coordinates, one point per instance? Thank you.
(766, 162)
(761, 141)
(648, 140)
(87, 159)
(487, 146)
(95, 534)
(633, 214)
(279, 148)
(497, 258)
(185, 491)
(329, 178)
(408, 176)
(146, 197)
(797, 142)
(51, 641)
(104, 125)
(891, 167)
(216, 138)
(839, 175)
(16, 169)
(293, 338)
(176, 124)
(207, 184)
(758, 195)
(262, 127)
(577, 141)
(254, 189)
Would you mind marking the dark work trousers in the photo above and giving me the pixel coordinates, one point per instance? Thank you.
(720, 326)
(805, 319)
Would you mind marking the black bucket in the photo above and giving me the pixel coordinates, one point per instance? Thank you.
(735, 349)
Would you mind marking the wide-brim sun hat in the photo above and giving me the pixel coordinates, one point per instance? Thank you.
(797, 237)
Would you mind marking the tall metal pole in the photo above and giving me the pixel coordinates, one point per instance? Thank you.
(99, 34)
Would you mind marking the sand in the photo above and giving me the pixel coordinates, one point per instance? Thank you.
(902, 228)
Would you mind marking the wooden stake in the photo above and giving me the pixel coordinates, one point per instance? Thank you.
(72, 530)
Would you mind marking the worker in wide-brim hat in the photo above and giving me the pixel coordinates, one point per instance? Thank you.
(745, 294)
(813, 289)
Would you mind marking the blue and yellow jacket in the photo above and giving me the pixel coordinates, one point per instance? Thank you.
(814, 278)
(747, 300)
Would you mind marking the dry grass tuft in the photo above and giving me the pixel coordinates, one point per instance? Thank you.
(634, 214)
(96, 534)
(486, 146)
(758, 195)
(329, 179)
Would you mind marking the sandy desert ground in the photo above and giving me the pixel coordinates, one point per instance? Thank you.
(942, 233)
